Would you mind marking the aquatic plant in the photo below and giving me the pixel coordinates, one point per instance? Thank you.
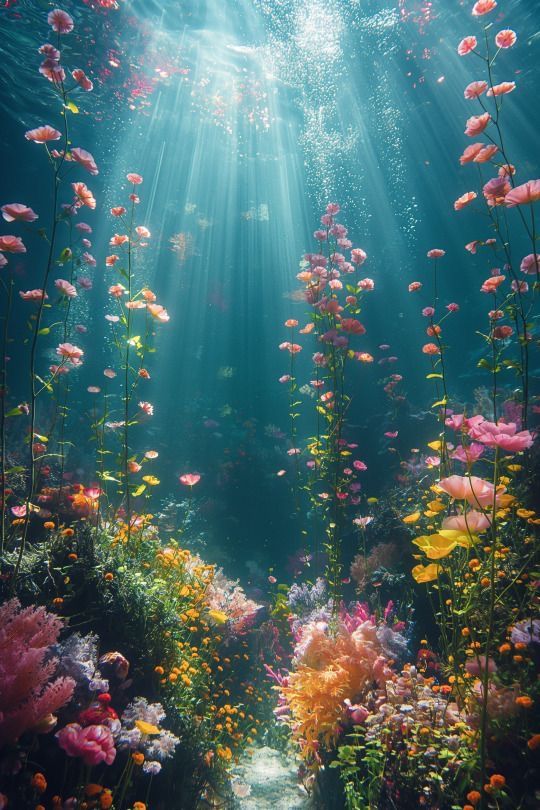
(30, 694)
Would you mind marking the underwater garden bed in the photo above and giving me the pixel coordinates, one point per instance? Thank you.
(375, 630)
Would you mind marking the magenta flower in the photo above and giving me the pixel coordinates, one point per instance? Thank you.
(92, 744)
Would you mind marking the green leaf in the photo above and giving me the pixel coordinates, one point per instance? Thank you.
(442, 401)
(14, 412)
(73, 107)
(45, 331)
(139, 490)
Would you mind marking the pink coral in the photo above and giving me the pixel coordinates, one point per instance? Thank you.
(29, 696)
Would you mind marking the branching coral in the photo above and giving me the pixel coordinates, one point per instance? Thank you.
(28, 694)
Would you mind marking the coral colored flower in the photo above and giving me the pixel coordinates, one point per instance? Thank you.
(117, 290)
(83, 194)
(42, 134)
(65, 288)
(111, 260)
(147, 408)
(60, 21)
(136, 179)
(502, 332)
(436, 253)
(82, 79)
(467, 45)
(158, 312)
(414, 286)
(482, 7)
(134, 467)
(530, 264)
(470, 153)
(364, 357)
(19, 212)
(506, 38)
(477, 124)
(431, 348)
(118, 211)
(11, 244)
(93, 744)
(70, 353)
(135, 305)
(142, 231)
(358, 256)
(148, 295)
(485, 154)
(464, 200)
(475, 89)
(85, 159)
(189, 479)
(291, 323)
(501, 89)
(118, 239)
(32, 295)
(88, 259)
(353, 326)
(110, 373)
(528, 192)
(476, 491)
(491, 284)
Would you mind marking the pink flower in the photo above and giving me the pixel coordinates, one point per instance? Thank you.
(52, 71)
(158, 312)
(285, 378)
(189, 479)
(17, 211)
(42, 134)
(89, 259)
(118, 239)
(428, 312)
(528, 192)
(353, 326)
(71, 353)
(136, 179)
(464, 200)
(491, 284)
(83, 226)
(86, 284)
(472, 521)
(111, 260)
(83, 195)
(486, 153)
(366, 284)
(501, 89)
(477, 124)
(469, 454)
(482, 7)
(65, 288)
(362, 522)
(506, 38)
(358, 256)
(495, 190)
(475, 89)
(142, 231)
(32, 295)
(436, 253)
(320, 236)
(507, 169)
(11, 244)
(146, 408)
(49, 51)
(82, 79)
(332, 209)
(110, 373)
(93, 744)
(467, 45)
(472, 246)
(520, 286)
(118, 211)
(60, 21)
(292, 348)
(470, 153)
(117, 290)
(503, 435)
(476, 491)
(452, 307)
(530, 264)
(414, 286)
(85, 159)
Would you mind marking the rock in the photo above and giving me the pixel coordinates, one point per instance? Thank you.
(273, 782)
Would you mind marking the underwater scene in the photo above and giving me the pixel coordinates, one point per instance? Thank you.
(269, 405)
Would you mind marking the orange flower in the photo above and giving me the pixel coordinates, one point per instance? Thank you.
(139, 806)
(93, 789)
(48, 525)
(137, 757)
(39, 782)
(67, 532)
(534, 742)
(497, 781)
(106, 800)
(108, 577)
(474, 796)
(524, 701)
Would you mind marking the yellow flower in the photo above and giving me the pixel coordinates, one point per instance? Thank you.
(436, 506)
(412, 518)
(525, 513)
(151, 480)
(218, 616)
(426, 573)
(146, 728)
(435, 445)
